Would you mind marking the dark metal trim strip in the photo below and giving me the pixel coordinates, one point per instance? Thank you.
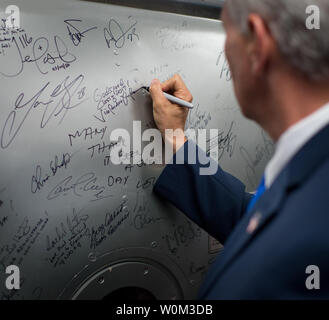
(207, 8)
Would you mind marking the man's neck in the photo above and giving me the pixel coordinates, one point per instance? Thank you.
(293, 100)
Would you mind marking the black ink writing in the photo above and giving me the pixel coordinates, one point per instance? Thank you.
(75, 33)
(61, 99)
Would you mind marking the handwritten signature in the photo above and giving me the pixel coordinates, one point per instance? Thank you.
(22, 241)
(263, 150)
(111, 98)
(3, 221)
(225, 72)
(67, 238)
(175, 38)
(59, 102)
(198, 119)
(41, 55)
(39, 179)
(116, 35)
(143, 220)
(75, 34)
(225, 142)
(112, 222)
(85, 184)
(73, 226)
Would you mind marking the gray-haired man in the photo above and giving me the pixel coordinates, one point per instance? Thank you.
(277, 243)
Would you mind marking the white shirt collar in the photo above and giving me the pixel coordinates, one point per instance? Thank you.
(293, 139)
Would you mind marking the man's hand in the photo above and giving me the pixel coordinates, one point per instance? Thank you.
(168, 115)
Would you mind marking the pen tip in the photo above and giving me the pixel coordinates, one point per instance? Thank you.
(144, 87)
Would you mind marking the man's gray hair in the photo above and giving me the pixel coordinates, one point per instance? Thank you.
(305, 50)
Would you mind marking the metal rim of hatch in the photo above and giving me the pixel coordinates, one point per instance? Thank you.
(99, 278)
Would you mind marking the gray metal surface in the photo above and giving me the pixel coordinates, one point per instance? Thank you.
(68, 217)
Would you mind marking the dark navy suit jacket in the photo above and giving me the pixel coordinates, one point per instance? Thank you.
(293, 230)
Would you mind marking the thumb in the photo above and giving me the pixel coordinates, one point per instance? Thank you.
(157, 93)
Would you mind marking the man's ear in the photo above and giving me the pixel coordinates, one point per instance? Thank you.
(261, 44)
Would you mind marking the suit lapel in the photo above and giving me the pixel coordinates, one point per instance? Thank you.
(298, 169)
(265, 208)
